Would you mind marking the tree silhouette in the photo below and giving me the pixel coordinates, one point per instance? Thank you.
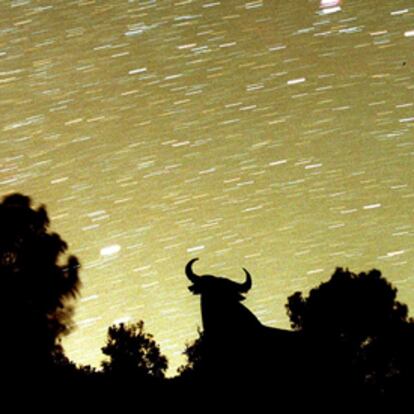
(194, 358)
(37, 284)
(133, 353)
(358, 329)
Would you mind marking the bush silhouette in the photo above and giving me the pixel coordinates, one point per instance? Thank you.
(194, 359)
(133, 353)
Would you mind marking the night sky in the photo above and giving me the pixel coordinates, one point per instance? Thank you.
(272, 135)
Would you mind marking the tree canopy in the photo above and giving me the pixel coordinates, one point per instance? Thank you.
(37, 281)
(194, 359)
(133, 352)
(360, 326)
(349, 305)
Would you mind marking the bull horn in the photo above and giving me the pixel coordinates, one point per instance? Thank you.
(189, 271)
(244, 287)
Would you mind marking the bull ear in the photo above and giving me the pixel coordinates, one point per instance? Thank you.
(192, 277)
(244, 287)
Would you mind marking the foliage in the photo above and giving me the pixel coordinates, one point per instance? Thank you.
(193, 354)
(358, 321)
(348, 305)
(37, 284)
(133, 352)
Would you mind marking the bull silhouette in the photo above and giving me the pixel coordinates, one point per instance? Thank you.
(237, 347)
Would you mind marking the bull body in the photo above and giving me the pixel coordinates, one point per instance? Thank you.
(237, 347)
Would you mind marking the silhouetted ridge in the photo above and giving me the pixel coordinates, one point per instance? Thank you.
(351, 341)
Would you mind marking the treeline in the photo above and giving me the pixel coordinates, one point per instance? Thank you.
(352, 339)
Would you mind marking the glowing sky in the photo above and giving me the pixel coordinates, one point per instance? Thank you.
(274, 135)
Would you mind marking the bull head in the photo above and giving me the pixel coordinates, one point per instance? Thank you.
(202, 283)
